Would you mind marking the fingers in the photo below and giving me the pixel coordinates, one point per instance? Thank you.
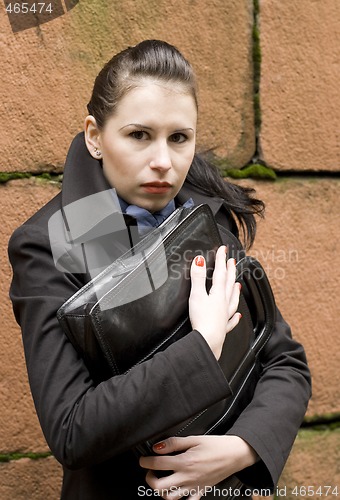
(171, 488)
(166, 448)
(220, 273)
(223, 276)
(198, 273)
(173, 444)
(234, 299)
(209, 313)
(233, 321)
(168, 486)
(231, 277)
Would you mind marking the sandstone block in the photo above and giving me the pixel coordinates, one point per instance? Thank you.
(300, 94)
(312, 467)
(19, 430)
(49, 72)
(35, 479)
(298, 246)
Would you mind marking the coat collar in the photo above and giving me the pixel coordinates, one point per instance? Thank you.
(83, 176)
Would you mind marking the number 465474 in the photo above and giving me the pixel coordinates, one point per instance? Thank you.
(311, 491)
(25, 8)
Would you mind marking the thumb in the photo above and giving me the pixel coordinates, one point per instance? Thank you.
(174, 444)
(198, 274)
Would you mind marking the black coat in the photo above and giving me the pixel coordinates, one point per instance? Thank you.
(91, 428)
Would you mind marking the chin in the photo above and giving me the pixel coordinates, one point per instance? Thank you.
(155, 208)
(153, 205)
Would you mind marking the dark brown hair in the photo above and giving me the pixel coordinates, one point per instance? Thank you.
(153, 59)
(160, 61)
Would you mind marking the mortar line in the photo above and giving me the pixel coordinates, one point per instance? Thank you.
(256, 57)
(15, 455)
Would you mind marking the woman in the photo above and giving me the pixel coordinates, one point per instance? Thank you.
(139, 142)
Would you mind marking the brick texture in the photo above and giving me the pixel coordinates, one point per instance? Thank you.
(30, 479)
(313, 463)
(299, 248)
(300, 92)
(19, 429)
(48, 73)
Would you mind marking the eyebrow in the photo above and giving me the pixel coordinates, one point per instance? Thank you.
(140, 125)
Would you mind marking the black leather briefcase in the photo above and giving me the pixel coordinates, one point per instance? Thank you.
(121, 317)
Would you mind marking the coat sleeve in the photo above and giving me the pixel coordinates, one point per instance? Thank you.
(271, 421)
(84, 423)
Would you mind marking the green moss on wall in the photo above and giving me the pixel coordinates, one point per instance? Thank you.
(44, 177)
(8, 457)
(9, 176)
(52, 178)
(330, 421)
(255, 171)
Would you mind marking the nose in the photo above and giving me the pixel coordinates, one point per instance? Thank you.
(161, 158)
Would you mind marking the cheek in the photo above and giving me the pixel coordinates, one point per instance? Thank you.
(114, 162)
(186, 164)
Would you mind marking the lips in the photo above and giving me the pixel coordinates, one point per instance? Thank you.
(156, 187)
(157, 184)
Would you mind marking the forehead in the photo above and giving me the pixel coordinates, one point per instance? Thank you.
(172, 86)
(150, 96)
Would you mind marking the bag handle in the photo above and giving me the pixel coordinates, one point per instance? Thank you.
(256, 289)
(259, 298)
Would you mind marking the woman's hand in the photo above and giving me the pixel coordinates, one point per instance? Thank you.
(201, 461)
(214, 314)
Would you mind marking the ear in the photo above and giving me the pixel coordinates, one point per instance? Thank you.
(92, 137)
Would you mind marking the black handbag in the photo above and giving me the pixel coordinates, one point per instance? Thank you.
(137, 291)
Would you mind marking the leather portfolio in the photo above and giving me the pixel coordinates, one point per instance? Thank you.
(138, 306)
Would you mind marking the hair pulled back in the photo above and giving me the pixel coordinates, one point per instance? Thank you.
(153, 59)
(160, 61)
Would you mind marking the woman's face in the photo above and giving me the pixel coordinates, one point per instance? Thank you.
(148, 144)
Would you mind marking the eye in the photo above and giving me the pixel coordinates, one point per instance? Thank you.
(178, 138)
(139, 135)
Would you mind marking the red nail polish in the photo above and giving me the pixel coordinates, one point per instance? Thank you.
(235, 262)
(199, 261)
(240, 285)
(159, 446)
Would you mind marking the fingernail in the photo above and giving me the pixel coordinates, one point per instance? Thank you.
(199, 261)
(159, 446)
(240, 285)
(240, 316)
(234, 261)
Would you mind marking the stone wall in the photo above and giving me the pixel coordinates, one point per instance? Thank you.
(268, 89)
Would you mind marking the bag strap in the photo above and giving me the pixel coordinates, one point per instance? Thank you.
(259, 296)
(256, 289)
